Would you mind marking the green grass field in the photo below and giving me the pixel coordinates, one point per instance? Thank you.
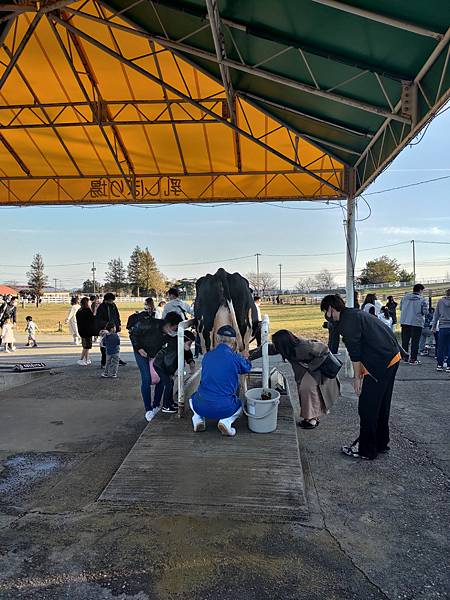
(305, 320)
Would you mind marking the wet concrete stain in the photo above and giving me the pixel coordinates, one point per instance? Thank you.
(22, 471)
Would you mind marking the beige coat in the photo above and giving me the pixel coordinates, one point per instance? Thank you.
(309, 355)
(316, 392)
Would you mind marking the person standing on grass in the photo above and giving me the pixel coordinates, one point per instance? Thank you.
(86, 329)
(71, 320)
(414, 308)
(31, 329)
(258, 324)
(375, 354)
(442, 316)
(107, 312)
(391, 305)
(111, 343)
(159, 309)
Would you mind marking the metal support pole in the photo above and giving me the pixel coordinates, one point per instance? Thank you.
(181, 329)
(350, 236)
(413, 242)
(257, 272)
(280, 278)
(265, 351)
(93, 277)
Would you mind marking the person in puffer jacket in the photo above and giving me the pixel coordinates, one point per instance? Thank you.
(442, 316)
(414, 308)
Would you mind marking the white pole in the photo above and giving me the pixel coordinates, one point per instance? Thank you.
(265, 351)
(181, 329)
(350, 236)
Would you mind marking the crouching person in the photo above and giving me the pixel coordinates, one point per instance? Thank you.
(166, 364)
(216, 397)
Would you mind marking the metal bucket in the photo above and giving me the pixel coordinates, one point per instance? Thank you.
(262, 414)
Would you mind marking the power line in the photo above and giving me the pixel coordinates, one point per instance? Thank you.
(402, 187)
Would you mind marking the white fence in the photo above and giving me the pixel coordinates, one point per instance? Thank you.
(65, 299)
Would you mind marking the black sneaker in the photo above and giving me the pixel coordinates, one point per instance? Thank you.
(352, 451)
(170, 410)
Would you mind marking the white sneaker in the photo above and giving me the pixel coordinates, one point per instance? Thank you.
(198, 423)
(82, 363)
(156, 410)
(225, 428)
(149, 415)
(89, 362)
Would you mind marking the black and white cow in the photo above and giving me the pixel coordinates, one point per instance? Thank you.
(224, 299)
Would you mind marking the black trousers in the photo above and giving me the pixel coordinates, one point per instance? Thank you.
(103, 352)
(413, 333)
(374, 408)
(258, 333)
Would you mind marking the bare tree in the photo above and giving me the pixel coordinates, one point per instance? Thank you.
(306, 285)
(264, 284)
(325, 280)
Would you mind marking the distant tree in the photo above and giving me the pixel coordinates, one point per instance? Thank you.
(116, 277)
(306, 285)
(325, 280)
(188, 285)
(134, 270)
(405, 277)
(151, 279)
(380, 270)
(88, 287)
(263, 284)
(37, 279)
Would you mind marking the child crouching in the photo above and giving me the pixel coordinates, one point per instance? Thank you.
(166, 364)
(111, 343)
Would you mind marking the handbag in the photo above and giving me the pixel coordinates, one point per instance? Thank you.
(154, 377)
(330, 366)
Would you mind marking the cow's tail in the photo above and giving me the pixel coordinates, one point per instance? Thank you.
(223, 276)
(240, 341)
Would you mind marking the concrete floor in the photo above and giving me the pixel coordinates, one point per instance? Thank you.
(377, 530)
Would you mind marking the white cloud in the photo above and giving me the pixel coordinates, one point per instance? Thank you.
(433, 231)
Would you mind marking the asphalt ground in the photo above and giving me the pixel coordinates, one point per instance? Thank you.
(376, 529)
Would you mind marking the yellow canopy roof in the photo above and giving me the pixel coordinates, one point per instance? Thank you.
(79, 124)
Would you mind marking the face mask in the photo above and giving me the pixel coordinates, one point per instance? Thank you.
(172, 333)
(329, 319)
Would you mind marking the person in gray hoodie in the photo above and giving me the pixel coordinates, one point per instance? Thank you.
(413, 308)
(442, 315)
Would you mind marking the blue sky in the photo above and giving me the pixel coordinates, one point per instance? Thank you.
(195, 234)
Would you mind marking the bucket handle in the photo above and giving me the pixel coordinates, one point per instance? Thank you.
(276, 402)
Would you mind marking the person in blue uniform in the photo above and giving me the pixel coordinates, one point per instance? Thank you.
(216, 397)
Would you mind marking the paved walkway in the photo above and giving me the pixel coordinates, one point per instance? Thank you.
(377, 530)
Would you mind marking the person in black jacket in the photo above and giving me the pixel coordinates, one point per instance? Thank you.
(107, 312)
(375, 354)
(148, 335)
(166, 364)
(86, 329)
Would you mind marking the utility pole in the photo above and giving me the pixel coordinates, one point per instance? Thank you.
(414, 260)
(280, 277)
(93, 277)
(55, 280)
(257, 272)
